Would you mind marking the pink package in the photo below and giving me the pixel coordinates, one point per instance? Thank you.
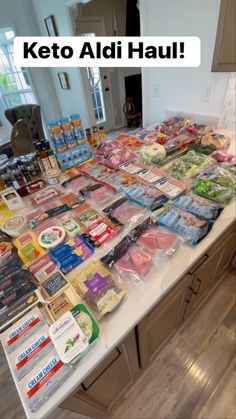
(126, 211)
(221, 156)
(102, 195)
(158, 239)
(136, 263)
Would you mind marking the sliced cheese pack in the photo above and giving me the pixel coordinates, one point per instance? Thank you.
(24, 358)
(13, 337)
(43, 381)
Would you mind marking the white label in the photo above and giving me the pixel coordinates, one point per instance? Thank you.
(101, 51)
(68, 338)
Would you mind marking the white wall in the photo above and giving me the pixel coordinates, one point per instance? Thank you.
(19, 15)
(105, 8)
(72, 100)
(180, 89)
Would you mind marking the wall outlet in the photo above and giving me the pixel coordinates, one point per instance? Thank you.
(206, 92)
(156, 89)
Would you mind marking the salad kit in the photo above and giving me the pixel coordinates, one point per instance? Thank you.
(211, 190)
(96, 285)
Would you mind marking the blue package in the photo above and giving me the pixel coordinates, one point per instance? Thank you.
(199, 206)
(69, 254)
(190, 227)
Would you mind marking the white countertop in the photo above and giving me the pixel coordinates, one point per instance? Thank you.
(138, 302)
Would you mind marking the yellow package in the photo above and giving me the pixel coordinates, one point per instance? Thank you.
(28, 248)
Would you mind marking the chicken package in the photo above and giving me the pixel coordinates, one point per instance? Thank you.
(191, 228)
(123, 211)
(199, 206)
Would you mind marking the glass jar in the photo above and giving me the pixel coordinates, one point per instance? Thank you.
(22, 164)
(75, 120)
(6, 177)
(16, 172)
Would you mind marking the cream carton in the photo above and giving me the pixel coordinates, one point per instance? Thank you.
(43, 381)
(13, 337)
(25, 358)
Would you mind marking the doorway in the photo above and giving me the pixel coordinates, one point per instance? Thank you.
(96, 80)
(107, 89)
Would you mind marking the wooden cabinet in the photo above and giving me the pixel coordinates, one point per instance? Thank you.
(108, 381)
(224, 58)
(161, 322)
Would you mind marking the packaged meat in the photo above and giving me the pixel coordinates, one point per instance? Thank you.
(188, 226)
(122, 212)
(159, 240)
(199, 206)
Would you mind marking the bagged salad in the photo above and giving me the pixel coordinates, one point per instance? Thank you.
(198, 206)
(211, 190)
(191, 228)
(198, 159)
(220, 176)
(97, 286)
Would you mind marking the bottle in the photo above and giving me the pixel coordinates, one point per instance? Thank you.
(55, 131)
(95, 135)
(17, 173)
(22, 164)
(89, 136)
(53, 160)
(68, 132)
(102, 133)
(6, 177)
(42, 155)
(2, 184)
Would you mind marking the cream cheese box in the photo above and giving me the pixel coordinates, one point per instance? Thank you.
(43, 381)
(25, 358)
(13, 337)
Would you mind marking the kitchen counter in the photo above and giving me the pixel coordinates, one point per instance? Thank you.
(138, 302)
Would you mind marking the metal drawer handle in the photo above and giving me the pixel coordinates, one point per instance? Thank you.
(199, 282)
(188, 296)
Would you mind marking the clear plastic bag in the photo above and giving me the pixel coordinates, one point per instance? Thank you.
(211, 190)
(191, 228)
(98, 193)
(98, 286)
(158, 240)
(123, 212)
(220, 176)
(198, 206)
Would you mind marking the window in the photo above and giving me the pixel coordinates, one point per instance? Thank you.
(15, 87)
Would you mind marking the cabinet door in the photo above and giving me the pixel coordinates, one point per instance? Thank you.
(157, 326)
(108, 381)
(225, 46)
(227, 249)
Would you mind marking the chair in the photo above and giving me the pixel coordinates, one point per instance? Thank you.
(31, 115)
(131, 115)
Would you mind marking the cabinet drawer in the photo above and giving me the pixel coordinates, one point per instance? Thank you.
(106, 386)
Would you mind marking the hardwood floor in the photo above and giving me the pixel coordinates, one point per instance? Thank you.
(193, 376)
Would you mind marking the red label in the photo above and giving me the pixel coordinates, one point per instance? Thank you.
(37, 386)
(22, 332)
(100, 231)
(21, 363)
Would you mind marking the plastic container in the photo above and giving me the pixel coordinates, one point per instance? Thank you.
(52, 176)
